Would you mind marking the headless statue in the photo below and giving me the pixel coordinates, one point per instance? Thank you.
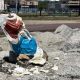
(23, 44)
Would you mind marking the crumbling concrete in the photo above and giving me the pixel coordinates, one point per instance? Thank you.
(4, 44)
(64, 31)
(63, 49)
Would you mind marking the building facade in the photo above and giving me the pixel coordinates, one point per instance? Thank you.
(29, 5)
(22, 2)
(22, 5)
(29, 2)
(73, 4)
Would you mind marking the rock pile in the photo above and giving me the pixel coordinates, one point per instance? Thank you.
(4, 44)
(63, 49)
(63, 38)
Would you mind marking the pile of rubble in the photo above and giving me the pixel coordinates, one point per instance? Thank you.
(63, 49)
(63, 38)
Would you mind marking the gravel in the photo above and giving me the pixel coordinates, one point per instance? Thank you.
(63, 44)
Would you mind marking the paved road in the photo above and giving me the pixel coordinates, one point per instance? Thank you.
(50, 21)
(49, 27)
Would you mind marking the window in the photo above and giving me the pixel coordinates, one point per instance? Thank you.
(31, 3)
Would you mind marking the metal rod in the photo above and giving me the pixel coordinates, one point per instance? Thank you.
(16, 5)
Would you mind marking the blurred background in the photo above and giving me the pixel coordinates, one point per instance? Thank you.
(41, 7)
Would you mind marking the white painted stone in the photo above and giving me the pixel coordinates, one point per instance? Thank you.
(55, 68)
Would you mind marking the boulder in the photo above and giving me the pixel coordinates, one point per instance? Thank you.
(64, 31)
(73, 42)
(3, 54)
(69, 65)
(49, 41)
(4, 44)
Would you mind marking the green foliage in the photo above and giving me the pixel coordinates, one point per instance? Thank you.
(42, 5)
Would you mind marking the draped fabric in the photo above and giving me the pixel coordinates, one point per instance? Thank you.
(25, 46)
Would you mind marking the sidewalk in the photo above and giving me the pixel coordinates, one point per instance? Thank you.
(30, 22)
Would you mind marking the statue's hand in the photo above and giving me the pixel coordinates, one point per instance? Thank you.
(22, 56)
(21, 32)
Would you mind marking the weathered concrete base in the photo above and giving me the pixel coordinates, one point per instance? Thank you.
(63, 51)
(68, 64)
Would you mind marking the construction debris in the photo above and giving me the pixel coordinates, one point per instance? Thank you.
(55, 68)
(63, 48)
(45, 71)
(20, 71)
(64, 31)
(56, 58)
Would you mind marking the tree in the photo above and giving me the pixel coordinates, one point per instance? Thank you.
(79, 8)
(6, 1)
(42, 5)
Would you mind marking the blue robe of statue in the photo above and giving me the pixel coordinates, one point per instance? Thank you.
(25, 45)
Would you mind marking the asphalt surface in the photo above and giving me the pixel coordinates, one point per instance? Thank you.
(49, 27)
